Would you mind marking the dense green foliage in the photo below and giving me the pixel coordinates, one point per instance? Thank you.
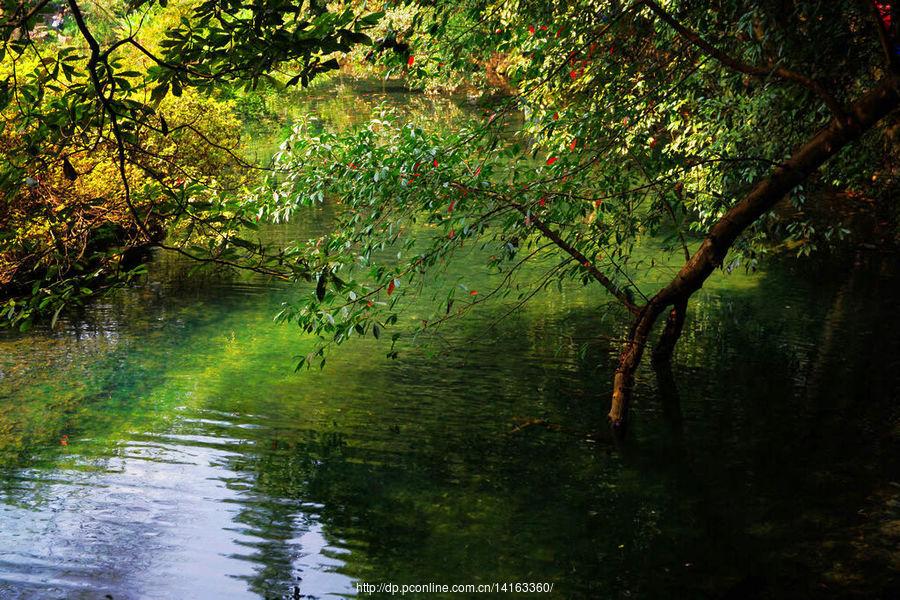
(635, 140)
(624, 131)
(117, 135)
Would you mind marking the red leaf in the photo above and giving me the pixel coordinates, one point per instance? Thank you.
(542, 202)
(531, 29)
(573, 74)
(412, 59)
(473, 293)
(391, 287)
(884, 9)
(435, 163)
(452, 234)
(556, 116)
(573, 144)
(477, 171)
(552, 160)
(452, 204)
(543, 28)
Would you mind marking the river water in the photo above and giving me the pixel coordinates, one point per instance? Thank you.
(159, 445)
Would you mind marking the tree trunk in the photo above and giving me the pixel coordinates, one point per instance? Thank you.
(629, 359)
(863, 114)
(662, 353)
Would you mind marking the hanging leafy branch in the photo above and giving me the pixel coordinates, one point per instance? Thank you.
(646, 149)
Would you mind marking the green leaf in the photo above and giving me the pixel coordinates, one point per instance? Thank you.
(372, 18)
(320, 285)
(56, 316)
(159, 92)
(68, 170)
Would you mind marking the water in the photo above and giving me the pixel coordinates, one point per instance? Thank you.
(159, 445)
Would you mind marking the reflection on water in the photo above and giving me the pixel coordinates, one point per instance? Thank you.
(160, 446)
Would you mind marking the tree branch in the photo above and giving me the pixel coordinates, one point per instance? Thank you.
(732, 63)
(871, 108)
(95, 58)
(581, 258)
(23, 20)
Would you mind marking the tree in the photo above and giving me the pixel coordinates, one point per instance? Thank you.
(638, 125)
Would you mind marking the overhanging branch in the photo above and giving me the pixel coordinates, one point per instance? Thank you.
(583, 260)
(737, 65)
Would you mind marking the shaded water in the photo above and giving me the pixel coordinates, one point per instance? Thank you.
(159, 445)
